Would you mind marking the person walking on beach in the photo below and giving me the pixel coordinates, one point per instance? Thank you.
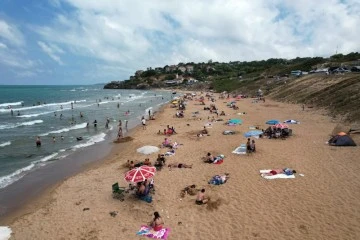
(149, 113)
(38, 142)
(143, 122)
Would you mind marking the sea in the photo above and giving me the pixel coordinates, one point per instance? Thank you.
(63, 118)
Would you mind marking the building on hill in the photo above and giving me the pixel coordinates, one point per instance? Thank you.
(170, 68)
(182, 69)
(189, 68)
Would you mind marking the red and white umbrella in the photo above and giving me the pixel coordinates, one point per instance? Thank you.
(281, 125)
(140, 174)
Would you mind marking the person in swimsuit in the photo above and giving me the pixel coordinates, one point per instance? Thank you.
(179, 165)
(38, 142)
(287, 171)
(157, 222)
(201, 199)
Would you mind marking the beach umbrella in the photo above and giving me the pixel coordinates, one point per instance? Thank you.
(291, 121)
(272, 122)
(140, 174)
(148, 150)
(253, 133)
(281, 125)
(235, 121)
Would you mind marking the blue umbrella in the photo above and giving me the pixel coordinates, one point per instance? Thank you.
(272, 122)
(253, 133)
(235, 121)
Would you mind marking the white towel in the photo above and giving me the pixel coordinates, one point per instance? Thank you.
(5, 233)
(281, 175)
(240, 150)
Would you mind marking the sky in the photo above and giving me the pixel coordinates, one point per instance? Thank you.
(59, 42)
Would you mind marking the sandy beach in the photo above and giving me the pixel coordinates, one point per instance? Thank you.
(321, 204)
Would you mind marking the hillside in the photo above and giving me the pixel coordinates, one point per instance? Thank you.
(332, 83)
(339, 94)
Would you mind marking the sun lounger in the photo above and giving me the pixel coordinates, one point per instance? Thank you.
(281, 175)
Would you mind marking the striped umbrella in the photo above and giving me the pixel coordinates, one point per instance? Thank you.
(281, 125)
(140, 174)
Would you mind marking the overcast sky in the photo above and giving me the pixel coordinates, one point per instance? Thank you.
(94, 41)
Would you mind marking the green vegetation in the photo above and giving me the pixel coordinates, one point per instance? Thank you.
(339, 94)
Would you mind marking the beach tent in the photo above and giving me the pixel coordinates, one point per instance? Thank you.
(234, 121)
(272, 122)
(342, 140)
(148, 149)
(253, 133)
(291, 121)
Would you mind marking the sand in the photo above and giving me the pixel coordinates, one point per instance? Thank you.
(323, 204)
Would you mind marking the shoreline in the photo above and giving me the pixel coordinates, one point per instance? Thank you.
(44, 191)
(246, 199)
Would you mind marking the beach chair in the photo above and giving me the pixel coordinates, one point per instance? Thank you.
(118, 192)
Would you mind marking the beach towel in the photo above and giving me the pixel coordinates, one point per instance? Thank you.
(146, 198)
(217, 180)
(240, 150)
(281, 175)
(150, 233)
(5, 233)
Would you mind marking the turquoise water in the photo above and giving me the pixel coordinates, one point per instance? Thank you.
(37, 111)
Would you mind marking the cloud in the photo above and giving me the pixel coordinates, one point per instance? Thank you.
(136, 34)
(11, 34)
(2, 45)
(52, 50)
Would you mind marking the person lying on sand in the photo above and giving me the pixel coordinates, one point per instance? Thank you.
(191, 190)
(287, 171)
(179, 165)
(201, 198)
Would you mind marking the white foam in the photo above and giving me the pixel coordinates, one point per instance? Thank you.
(9, 126)
(18, 174)
(78, 126)
(10, 104)
(34, 115)
(95, 139)
(44, 105)
(5, 144)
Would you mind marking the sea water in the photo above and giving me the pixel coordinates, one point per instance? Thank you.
(53, 114)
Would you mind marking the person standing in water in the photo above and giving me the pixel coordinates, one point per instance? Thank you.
(12, 112)
(38, 142)
(126, 124)
(95, 124)
(18, 113)
(107, 123)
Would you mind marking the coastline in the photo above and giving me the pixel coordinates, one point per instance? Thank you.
(39, 192)
(246, 194)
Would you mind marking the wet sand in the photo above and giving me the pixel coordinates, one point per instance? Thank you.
(323, 204)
